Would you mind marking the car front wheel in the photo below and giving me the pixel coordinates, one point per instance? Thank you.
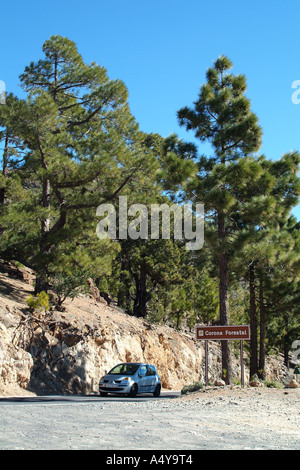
(133, 391)
(156, 392)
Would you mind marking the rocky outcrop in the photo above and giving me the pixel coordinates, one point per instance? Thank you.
(55, 355)
(67, 352)
(15, 363)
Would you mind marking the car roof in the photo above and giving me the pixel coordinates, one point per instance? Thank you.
(137, 363)
(134, 363)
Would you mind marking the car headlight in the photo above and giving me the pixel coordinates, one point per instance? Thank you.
(125, 381)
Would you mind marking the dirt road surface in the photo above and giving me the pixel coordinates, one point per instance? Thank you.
(265, 419)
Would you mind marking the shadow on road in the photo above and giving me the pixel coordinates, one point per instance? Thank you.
(55, 399)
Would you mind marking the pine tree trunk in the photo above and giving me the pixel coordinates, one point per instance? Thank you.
(253, 323)
(140, 303)
(224, 305)
(286, 342)
(120, 296)
(42, 272)
(3, 198)
(262, 332)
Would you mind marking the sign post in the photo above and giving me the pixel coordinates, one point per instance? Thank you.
(223, 333)
(206, 363)
(242, 364)
(297, 372)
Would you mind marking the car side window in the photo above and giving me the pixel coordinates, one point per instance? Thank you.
(150, 371)
(143, 371)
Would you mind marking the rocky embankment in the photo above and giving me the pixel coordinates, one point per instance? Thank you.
(67, 352)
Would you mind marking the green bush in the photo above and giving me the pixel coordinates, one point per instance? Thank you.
(273, 384)
(192, 388)
(40, 301)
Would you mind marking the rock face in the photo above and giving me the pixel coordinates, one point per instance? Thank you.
(67, 352)
(15, 363)
(66, 356)
(62, 357)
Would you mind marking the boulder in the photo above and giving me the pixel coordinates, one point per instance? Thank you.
(219, 383)
(255, 383)
(293, 384)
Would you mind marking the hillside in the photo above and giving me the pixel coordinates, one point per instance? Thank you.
(67, 352)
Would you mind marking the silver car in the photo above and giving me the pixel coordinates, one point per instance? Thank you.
(131, 378)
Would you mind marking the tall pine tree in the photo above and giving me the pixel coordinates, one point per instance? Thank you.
(82, 148)
(222, 116)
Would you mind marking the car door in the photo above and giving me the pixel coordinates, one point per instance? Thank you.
(151, 379)
(143, 384)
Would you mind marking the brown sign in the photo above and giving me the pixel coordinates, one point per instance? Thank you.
(223, 332)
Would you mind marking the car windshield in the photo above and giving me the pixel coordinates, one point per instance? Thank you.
(128, 369)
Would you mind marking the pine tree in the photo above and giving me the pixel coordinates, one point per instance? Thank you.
(13, 151)
(221, 115)
(278, 292)
(83, 147)
(262, 244)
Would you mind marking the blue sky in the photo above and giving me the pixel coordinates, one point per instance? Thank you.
(162, 49)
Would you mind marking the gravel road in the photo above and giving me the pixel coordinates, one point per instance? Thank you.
(212, 419)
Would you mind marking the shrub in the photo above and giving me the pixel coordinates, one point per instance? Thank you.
(273, 384)
(192, 388)
(40, 301)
